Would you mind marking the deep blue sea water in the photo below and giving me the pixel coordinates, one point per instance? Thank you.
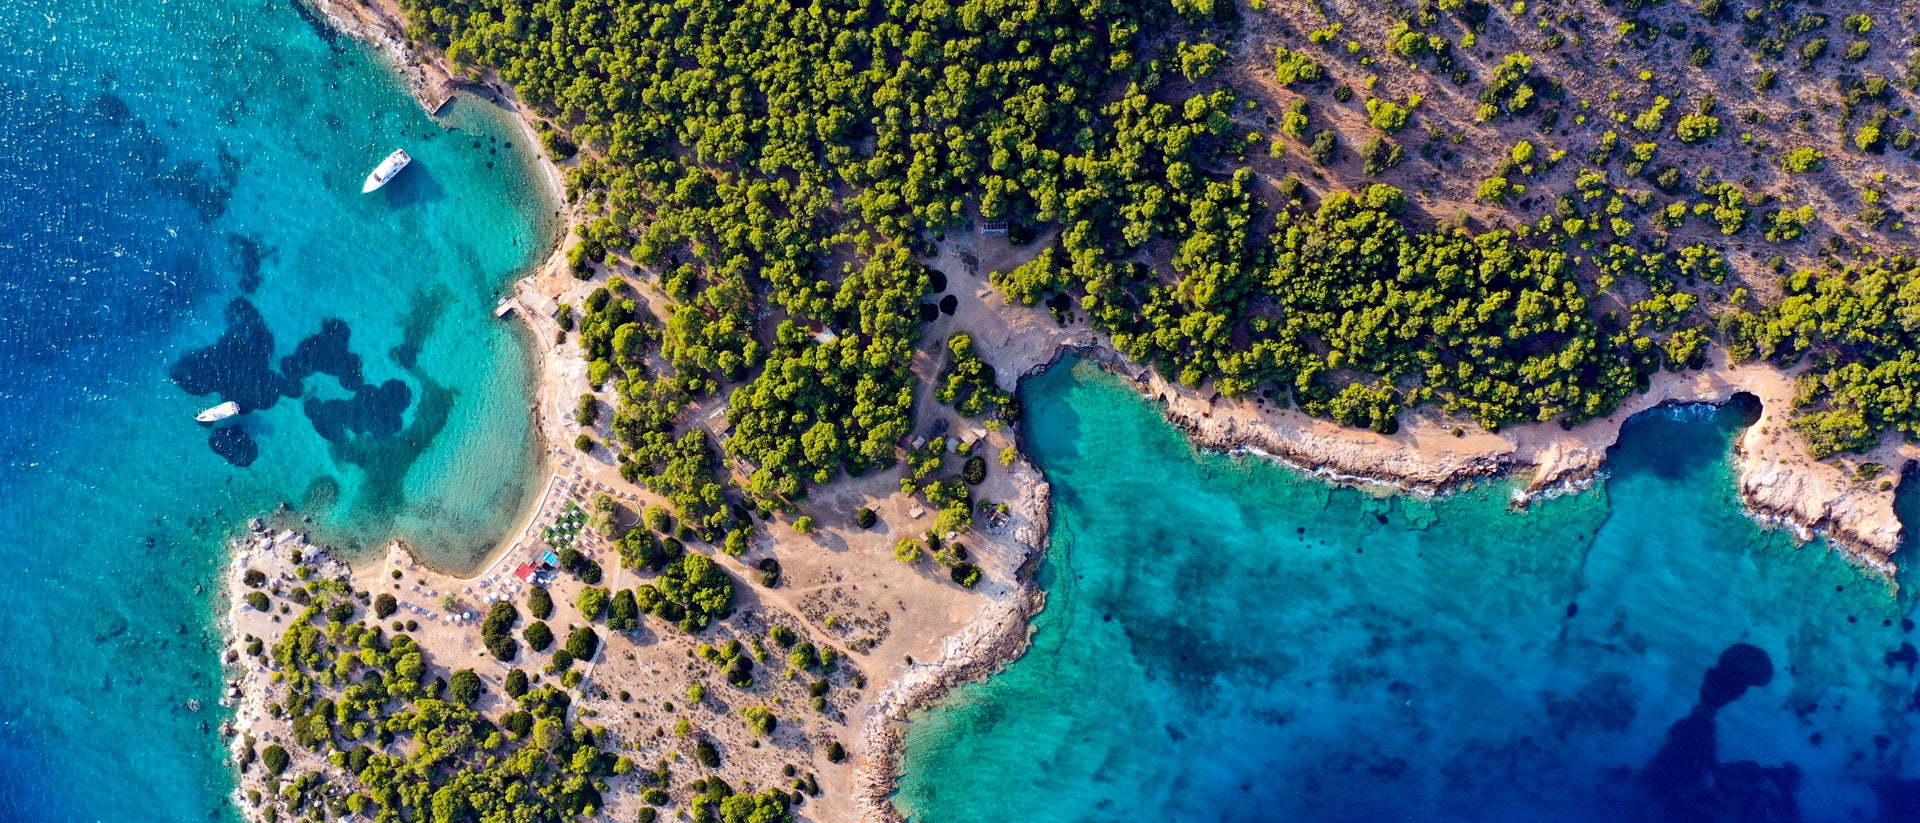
(181, 173)
(1226, 639)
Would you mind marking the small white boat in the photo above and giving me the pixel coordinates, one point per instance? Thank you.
(386, 171)
(220, 412)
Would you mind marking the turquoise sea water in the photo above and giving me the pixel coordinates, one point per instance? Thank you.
(170, 167)
(1227, 639)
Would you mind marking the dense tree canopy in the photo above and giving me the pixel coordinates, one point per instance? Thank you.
(1861, 324)
(773, 169)
(773, 153)
(691, 591)
(826, 402)
(360, 700)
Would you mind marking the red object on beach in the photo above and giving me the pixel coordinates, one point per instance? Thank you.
(525, 572)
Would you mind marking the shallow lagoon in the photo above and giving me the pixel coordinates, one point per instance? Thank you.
(1229, 639)
(164, 159)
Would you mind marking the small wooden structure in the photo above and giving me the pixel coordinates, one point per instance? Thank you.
(438, 98)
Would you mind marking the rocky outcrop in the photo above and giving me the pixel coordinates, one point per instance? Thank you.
(1849, 499)
(1000, 634)
(379, 23)
(251, 685)
(1820, 498)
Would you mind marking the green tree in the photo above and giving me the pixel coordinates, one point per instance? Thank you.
(760, 719)
(1694, 128)
(1386, 115)
(464, 686)
(583, 643)
(592, 602)
(1802, 160)
(1200, 60)
(538, 636)
(1290, 67)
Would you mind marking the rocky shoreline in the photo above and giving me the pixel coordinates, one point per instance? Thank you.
(380, 25)
(1848, 499)
(1778, 482)
(249, 689)
(1001, 634)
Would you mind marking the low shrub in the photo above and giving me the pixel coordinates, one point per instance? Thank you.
(760, 719)
(965, 574)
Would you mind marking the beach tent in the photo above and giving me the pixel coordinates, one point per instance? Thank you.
(524, 572)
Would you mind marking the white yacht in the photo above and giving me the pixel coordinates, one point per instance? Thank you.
(220, 412)
(386, 171)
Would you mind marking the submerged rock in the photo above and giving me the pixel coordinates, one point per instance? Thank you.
(234, 445)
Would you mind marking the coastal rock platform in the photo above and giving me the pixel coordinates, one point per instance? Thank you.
(1847, 498)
